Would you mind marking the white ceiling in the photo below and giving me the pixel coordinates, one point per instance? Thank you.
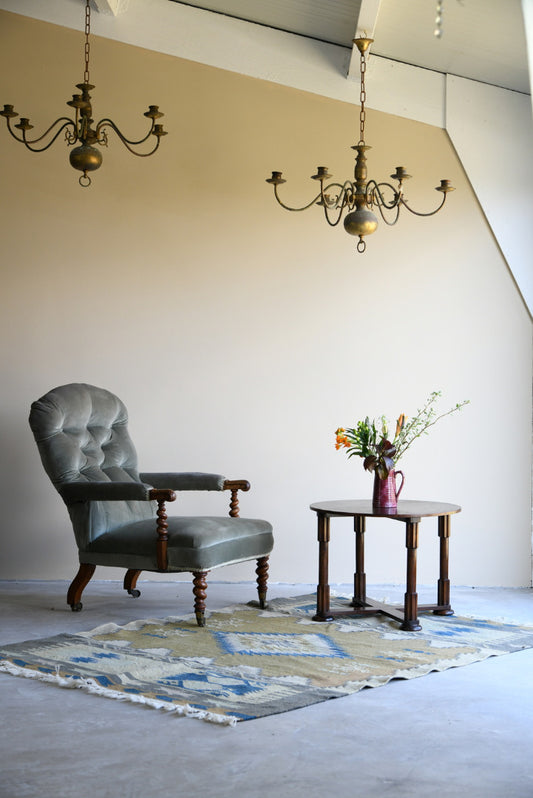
(482, 40)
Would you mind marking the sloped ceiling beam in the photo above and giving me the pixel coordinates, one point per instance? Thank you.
(527, 10)
(368, 17)
(366, 25)
(114, 7)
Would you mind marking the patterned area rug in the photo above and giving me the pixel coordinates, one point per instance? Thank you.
(248, 663)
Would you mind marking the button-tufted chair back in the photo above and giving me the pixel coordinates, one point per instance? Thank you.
(82, 435)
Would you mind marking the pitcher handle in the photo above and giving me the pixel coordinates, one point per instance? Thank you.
(401, 484)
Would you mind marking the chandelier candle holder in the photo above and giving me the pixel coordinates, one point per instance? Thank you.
(85, 157)
(360, 197)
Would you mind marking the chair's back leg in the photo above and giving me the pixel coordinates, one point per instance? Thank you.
(262, 579)
(199, 589)
(130, 580)
(78, 584)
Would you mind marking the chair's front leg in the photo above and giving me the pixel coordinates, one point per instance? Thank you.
(78, 585)
(262, 580)
(199, 589)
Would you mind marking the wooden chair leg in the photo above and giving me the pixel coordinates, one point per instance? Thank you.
(78, 585)
(130, 580)
(262, 580)
(199, 590)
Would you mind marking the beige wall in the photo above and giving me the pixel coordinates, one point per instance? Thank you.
(239, 335)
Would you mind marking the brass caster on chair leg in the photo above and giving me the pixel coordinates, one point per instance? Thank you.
(76, 607)
(200, 618)
(135, 593)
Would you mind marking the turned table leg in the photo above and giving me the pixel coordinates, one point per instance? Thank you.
(410, 619)
(443, 584)
(359, 577)
(322, 591)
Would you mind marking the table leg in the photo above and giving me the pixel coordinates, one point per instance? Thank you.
(359, 577)
(410, 619)
(322, 591)
(443, 584)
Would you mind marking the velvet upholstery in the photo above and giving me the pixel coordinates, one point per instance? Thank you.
(82, 435)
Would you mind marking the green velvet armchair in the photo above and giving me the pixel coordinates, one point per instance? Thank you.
(118, 514)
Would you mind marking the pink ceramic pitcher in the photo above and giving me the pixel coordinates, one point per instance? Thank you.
(385, 493)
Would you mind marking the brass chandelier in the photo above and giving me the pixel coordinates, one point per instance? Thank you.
(86, 157)
(361, 196)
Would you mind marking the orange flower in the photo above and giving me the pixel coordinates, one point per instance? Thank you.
(342, 441)
(399, 424)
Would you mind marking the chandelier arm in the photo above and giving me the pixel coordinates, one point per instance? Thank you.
(72, 138)
(345, 189)
(337, 220)
(348, 190)
(23, 140)
(385, 219)
(109, 123)
(417, 213)
(288, 208)
(144, 154)
(374, 188)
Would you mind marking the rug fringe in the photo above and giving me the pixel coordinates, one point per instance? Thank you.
(93, 688)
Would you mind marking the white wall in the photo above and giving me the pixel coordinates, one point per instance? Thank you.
(240, 336)
(492, 131)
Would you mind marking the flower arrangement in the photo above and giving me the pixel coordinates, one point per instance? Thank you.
(370, 439)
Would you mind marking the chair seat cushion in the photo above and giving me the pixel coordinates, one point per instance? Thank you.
(195, 543)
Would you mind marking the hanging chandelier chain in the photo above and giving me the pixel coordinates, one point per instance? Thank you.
(362, 100)
(87, 45)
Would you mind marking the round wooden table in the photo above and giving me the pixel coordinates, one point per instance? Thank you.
(410, 513)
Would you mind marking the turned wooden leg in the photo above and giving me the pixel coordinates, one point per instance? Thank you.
(262, 579)
(359, 577)
(322, 590)
(199, 590)
(162, 536)
(410, 617)
(78, 585)
(443, 585)
(130, 580)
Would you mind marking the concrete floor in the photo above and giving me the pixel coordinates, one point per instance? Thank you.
(464, 732)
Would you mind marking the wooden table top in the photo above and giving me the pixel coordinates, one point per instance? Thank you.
(405, 510)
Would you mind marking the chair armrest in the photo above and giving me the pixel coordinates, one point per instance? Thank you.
(187, 480)
(104, 491)
(235, 485)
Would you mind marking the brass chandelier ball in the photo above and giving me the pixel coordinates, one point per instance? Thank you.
(361, 222)
(85, 158)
